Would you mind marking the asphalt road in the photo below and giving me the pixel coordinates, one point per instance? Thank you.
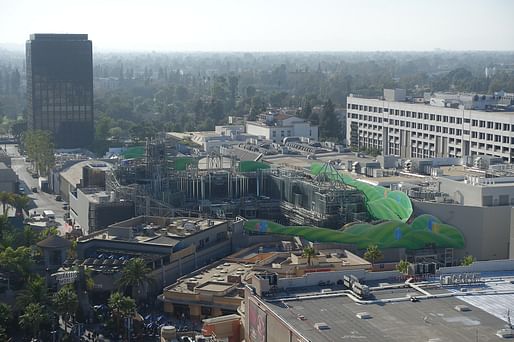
(40, 200)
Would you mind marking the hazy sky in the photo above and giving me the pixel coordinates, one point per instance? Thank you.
(267, 25)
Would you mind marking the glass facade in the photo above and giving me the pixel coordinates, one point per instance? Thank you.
(60, 87)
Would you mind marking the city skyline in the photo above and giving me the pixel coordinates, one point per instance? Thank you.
(229, 25)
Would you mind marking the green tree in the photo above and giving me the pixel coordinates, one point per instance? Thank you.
(403, 266)
(40, 148)
(34, 292)
(121, 307)
(28, 236)
(373, 254)
(16, 262)
(103, 125)
(329, 124)
(135, 275)
(5, 315)
(4, 226)
(306, 111)
(47, 232)
(6, 198)
(250, 91)
(309, 253)
(32, 318)
(20, 203)
(66, 303)
(467, 260)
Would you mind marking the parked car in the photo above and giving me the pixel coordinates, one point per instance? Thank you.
(58, 198)
(34, 189)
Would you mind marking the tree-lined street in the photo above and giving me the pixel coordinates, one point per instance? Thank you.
(40, 200)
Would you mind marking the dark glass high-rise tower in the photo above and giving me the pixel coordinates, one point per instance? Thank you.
(60, 87)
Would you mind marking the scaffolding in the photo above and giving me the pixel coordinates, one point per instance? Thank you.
(165, 185)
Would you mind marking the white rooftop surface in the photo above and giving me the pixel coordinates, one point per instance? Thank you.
(494, 304)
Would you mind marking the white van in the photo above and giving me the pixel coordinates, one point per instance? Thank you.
(49, 214)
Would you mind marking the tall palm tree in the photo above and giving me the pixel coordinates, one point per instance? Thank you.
(66, 303)
(5, 198)
(121, 307)
(35, 292)
(135, 275)
(309, 253)
(29, 236)
(373, 254)
(4, 225)
(32, 318)
(20, 202)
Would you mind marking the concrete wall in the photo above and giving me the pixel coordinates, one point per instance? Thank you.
(8, 179)
(480, 266)
(304, 129)
(486, 230)
(258, 130)
(466, 194)
(79, 210)
(469, 194)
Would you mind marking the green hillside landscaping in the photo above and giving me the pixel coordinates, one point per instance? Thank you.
(424, 231)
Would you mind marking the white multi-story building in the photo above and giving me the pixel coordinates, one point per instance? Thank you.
(275, 127)
(435, 128)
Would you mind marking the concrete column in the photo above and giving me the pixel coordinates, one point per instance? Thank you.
(216, 312)
(195, 311)
(169, 308)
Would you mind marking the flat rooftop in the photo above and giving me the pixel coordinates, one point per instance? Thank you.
(154, 230)
(426, 320)
(214, 279)
(301, 161)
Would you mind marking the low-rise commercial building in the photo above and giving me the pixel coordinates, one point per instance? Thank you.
(275, 126)
(172, 246)
(300, 310)
(92, 209)
(218, 289)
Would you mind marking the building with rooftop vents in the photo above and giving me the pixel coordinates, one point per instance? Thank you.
(218, 289)
(172, 246)
(471, 305)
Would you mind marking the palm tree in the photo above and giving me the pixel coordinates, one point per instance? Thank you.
(135, 275)
(373, 254)
(5, 198)
(5, 315)
(66, 303)
(403, 266)
(309, 252)
(30, 236)
(4, 225)
(35, 292)
(20, 202)
(121, 307)
(16, 262)
(33, 316)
